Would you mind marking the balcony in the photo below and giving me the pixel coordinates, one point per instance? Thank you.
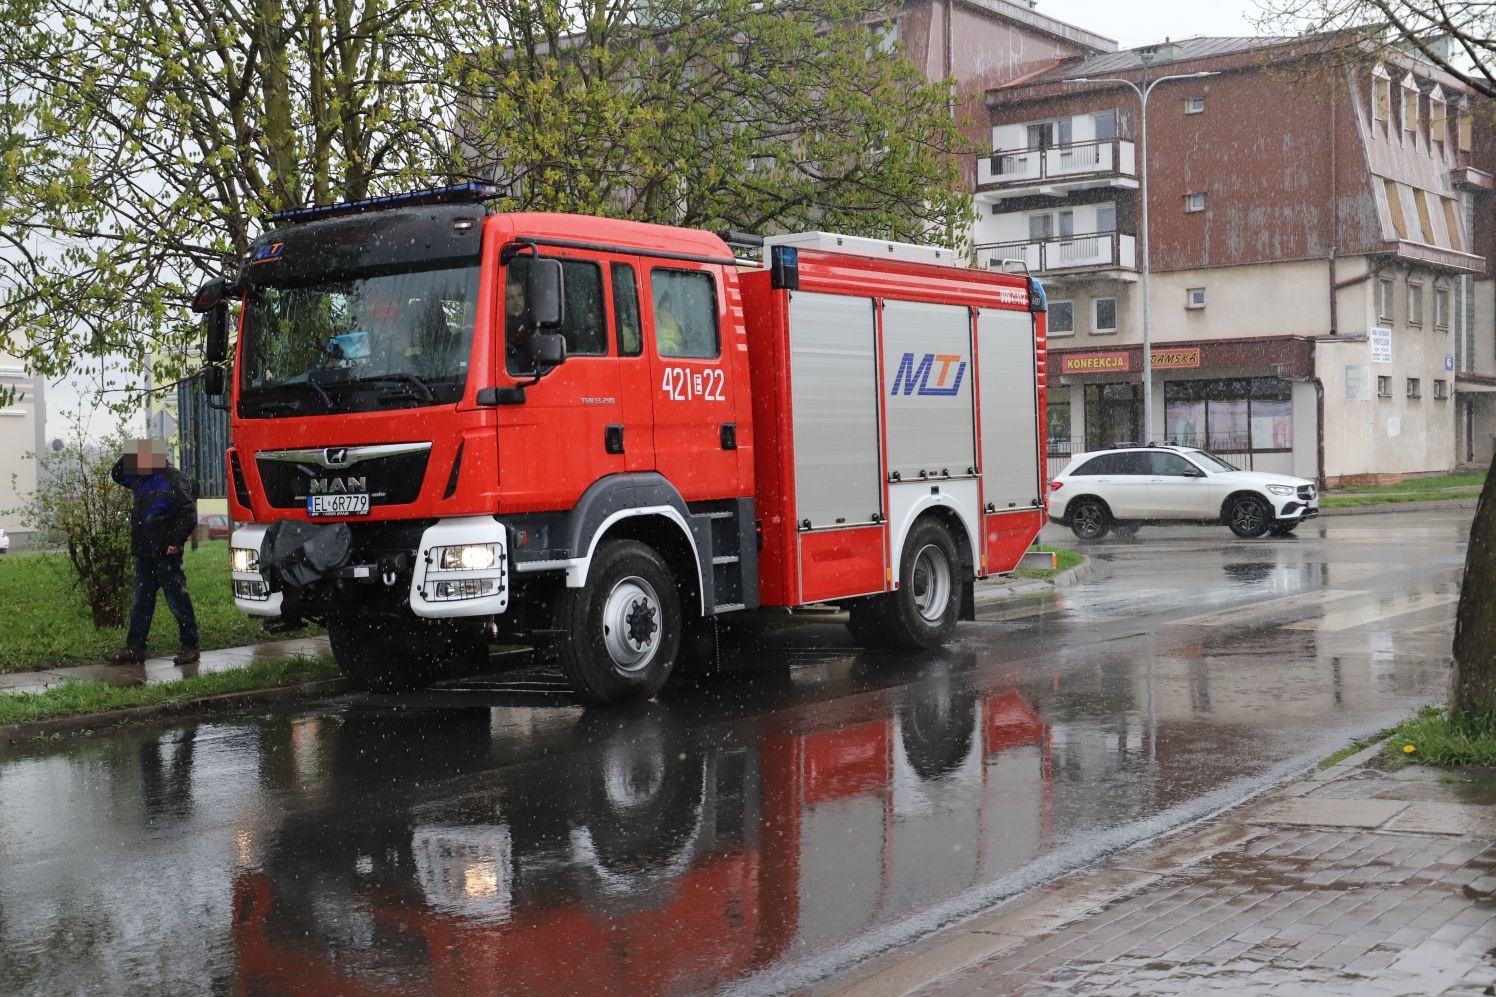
(1059, 168)
(1066, 254)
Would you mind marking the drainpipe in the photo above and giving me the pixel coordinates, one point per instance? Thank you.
(1319, 427)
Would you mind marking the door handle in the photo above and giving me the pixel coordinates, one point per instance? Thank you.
(729, 436)
(613, 439)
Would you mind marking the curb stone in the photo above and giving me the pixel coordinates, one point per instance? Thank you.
(1390, 507)
(12, 735)
(987, 592)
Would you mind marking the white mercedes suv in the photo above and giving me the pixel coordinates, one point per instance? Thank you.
(1126, 487)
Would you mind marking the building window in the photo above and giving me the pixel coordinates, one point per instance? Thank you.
(1441, 389)
(1061, 318)
(1384, 386)
(1438, 116)
(1381, 94)
(1415, 390)
(1041, 227)
(1105, 123)
(1106, 218)
(1106, 315)
(1395, 208)
(1194, 105)
(1452, 225)
(1231, 415)
(1466, 129)
(1194, 297)
(1441, 307)
(1194, 202)
(1409, 104)
(1415, 302)
(1384, 299)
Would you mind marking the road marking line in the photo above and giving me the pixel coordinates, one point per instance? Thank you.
(1224, 616)
(1352, 618)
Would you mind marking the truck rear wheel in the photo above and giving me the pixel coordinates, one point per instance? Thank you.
(922, 613)
(623, 628)
(391, 653)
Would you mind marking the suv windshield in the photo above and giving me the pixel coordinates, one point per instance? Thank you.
(358, 343)
(1210, 461)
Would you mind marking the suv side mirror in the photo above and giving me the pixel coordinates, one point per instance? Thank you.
(1194, 472)
(545, 292)
(548, 349)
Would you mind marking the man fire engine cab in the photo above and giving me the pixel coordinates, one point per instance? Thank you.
(453, 426)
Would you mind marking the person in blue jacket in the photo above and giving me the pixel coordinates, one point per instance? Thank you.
(162, 520)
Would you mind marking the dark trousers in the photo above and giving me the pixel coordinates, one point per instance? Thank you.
(164, 573)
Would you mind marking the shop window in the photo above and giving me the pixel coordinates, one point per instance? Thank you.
(1194, 297)
(1415, 388)
(1194, 105)
(1062, 318)
(1415, 302)
(1441, 389)
(1105, 315)
(1384, 386)
(1194, 202)
(1057, 428)
(1384, 299)
(1231, 415)
(1113, 414)
(1441, 307)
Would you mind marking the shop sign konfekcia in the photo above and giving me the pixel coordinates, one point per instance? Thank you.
(1116, 363)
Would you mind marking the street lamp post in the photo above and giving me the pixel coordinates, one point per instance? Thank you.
(1143, 93)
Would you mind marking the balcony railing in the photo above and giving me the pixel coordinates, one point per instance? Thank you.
(1091, 251)
(1058, 163)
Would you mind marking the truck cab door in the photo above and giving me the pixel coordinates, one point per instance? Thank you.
(635, 371)
(695, 408)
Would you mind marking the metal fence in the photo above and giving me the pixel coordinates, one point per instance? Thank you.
(204, 434)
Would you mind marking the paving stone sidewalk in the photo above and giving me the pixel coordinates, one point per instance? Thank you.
(162, 669)
(1362, 883)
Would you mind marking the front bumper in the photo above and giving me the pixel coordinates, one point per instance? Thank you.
(1295, 508)
(431, 591)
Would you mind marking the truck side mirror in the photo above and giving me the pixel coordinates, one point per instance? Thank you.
(546, 296)
(217, 323)
(214, 381)
(548, 349)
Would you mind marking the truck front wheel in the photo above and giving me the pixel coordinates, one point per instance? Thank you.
(623, 628)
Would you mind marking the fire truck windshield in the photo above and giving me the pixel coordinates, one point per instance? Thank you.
(357, 343)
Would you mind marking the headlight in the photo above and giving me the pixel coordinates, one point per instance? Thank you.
(1281, 489)
(244, 559)
(468, 557)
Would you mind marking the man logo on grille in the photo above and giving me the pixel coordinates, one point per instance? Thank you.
(335, 456)
(912, 378)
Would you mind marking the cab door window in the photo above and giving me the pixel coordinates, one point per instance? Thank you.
(626, 311)
(685, 313)
(584, 326)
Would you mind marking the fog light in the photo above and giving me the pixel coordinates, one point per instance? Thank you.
(244, 559)
(254, 591)
(468, 557)
(471, 589)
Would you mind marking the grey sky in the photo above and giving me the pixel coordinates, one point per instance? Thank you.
(1129, 24)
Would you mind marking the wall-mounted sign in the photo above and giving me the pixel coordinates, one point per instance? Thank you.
(1381, 345)
(1093, 363)
(1449, 361)
(1170, 359)
(1357, 382)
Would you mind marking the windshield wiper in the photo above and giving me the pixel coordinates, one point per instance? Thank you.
(326, 398)
(424, 392)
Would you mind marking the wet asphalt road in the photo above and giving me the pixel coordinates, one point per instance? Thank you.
(749, 834)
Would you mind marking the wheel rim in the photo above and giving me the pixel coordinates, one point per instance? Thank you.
(931, 582)
(1249, 517)
(1088, 518)
(631, 624)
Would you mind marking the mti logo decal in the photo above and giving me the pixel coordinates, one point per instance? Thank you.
(917, 378)
(268, 253)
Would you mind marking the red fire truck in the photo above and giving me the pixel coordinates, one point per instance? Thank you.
(452, 426)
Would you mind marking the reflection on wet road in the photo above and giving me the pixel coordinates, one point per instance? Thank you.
(750, 833)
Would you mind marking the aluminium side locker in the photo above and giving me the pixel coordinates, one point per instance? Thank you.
(1010, 399)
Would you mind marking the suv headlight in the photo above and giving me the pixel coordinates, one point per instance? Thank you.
(1281, 489)
(468, 557)
(244, 559)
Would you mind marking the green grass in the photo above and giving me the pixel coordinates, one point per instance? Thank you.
(1421, 484)
(46, 622)
(1355, 746)
(1436, 739)
(74, 698)
(1064, 560)
(1346, 501)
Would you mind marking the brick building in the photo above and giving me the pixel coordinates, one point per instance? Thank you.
(1319, 298)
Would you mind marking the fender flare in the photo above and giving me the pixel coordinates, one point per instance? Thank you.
(943, 500)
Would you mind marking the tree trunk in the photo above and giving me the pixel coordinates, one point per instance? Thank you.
(1472, 681)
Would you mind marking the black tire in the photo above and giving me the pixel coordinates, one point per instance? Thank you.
(623, 629)
(922, 613)
(1249, 517)
(398, 653)
(1089, 519)
(1284, 529)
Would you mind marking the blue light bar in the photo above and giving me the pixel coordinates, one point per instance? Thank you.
(459, 193)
